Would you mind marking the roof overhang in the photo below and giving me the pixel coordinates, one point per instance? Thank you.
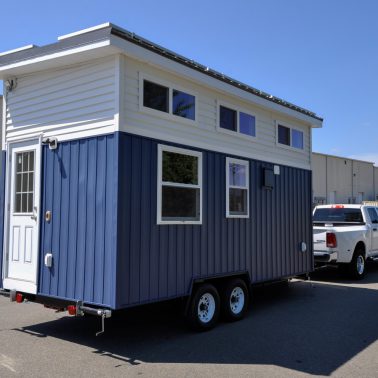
(107, 39)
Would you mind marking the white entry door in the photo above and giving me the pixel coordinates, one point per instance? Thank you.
(21, 254)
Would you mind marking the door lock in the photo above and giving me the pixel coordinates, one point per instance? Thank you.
(48, 216)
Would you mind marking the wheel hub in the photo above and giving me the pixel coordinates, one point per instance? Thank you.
(360, 265)
(206, 308)
(237, 300)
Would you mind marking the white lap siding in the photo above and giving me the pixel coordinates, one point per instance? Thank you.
(204, 133)
(70, 102)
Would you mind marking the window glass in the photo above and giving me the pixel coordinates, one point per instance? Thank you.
(24, 185)
(180, 168)
(178, 203)
(297, 137)
(237, 187)
(247, 124)
(180, 185)
(227, 118)
(237, 174)
(373, 215)
(238, 201)
(334, 215)
(284, 135)
(183, 104)
(155, 96)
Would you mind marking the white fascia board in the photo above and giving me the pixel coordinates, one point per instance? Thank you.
(83, 31)
(17, 50)
(140, 53)
(49, 61)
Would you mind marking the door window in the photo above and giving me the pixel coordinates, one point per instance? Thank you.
(24, 188)
(373, 215)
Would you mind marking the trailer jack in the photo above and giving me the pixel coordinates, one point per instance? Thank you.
(104, 314)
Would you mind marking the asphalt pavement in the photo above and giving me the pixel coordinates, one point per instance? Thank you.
(323, 327)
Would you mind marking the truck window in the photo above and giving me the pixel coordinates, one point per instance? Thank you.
(373, 215)
(338, 215)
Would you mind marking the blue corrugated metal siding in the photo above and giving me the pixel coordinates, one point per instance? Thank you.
(80, 181)
(2, 204)
(159, 261)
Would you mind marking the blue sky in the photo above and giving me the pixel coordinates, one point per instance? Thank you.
(319, 54)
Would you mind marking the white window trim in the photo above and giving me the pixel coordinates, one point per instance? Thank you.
(171, 86)
(291, 148)
(161, 149)
(246, 164)
(236, 133)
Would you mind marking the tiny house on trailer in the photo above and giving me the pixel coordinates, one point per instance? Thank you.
(134, 175)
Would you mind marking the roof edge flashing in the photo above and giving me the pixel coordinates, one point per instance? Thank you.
(27, 47)
(134, 38)
(83, 31)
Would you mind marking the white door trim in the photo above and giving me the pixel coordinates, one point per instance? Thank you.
(20, 285)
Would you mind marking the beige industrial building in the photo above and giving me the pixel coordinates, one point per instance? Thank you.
(342, 180)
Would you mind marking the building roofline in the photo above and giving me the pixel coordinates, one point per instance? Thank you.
(344, 157)
(104, 31)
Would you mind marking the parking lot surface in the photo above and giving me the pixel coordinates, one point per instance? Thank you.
(325, 327)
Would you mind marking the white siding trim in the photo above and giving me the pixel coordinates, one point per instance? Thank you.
(22, 48)
(3, 123)
(117, 91)
(60, 54)
(83, 31)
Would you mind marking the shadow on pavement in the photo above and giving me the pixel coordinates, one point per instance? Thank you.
(308, 327)
(332, 274)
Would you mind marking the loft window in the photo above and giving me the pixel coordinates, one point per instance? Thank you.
(297, 137)
(179, 185)
(183, 104)
(237, 188)
(231, 120)
(284, 135)
(227, 118)
(247, 124)
(290, 137)
(155, 96)
(168, 99)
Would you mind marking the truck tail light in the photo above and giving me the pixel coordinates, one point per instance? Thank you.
(331, 240)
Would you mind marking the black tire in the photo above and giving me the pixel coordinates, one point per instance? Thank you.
(204, 308)
(357, 267)
(235, 300)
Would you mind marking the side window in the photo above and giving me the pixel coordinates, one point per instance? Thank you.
(290, 137)
(168, 99)
(373, 215)
(237, 121)
(179, 186)
(237, 188)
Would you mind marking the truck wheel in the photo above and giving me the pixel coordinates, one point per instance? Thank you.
(235, 300)
(204, 308)
(357, 265)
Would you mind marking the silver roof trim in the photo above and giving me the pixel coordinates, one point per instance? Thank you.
(27, 47)
(83, 31)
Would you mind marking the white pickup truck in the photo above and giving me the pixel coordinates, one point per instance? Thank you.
(345, 235)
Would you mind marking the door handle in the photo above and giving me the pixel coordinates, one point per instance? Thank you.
(34, 216)
(374, 229)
